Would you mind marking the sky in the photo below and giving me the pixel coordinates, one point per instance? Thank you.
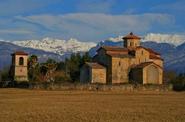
(89, 20)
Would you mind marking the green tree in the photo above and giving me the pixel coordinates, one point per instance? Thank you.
(72, 67)
(5, 75)
(85, 58)
(33, 68)
(61, 66)
(74, 63)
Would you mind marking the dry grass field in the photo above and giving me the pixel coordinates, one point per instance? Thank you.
(17, 105)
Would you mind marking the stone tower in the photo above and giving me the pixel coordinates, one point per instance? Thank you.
(131, 40)
(19, 69)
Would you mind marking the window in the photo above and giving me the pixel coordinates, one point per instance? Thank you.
(21, 61)
(128, 43)
(119, 63)
(142, 52)
(131, 44)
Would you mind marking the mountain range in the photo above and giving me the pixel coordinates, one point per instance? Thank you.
(171, 47)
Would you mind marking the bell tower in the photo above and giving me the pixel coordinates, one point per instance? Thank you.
(131, 41)
(19, 71)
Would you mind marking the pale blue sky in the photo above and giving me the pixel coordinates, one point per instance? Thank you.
(89, 20)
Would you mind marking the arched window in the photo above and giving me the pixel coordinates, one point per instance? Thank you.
(21, 61)
(131, 43)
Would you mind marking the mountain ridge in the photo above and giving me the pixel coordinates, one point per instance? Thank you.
(60, 49)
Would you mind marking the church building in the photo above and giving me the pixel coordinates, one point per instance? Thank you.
(130, 63)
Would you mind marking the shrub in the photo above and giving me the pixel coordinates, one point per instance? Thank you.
(179, 83)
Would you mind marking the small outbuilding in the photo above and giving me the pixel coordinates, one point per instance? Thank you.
(93, 73)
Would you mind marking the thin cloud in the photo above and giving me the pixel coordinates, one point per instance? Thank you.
(15, 32)
(84, 26)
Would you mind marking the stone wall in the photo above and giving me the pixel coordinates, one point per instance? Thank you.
(131, 43)
(120, 70)
(141, 55)
(106, 61)
(98, 87)
(99, 76)
(149, 71)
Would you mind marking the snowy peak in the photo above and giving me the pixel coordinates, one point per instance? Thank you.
(165, 38)
(58, 46)
(174, 39)
(117, 39)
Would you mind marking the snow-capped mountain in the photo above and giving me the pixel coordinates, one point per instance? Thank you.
(165, 38)
(6, 49)
(57, 46)
(171, 47)
(174, 39)
(63, 47)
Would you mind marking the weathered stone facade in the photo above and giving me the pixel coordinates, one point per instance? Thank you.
(93, 73)
(124, 64)
(19, 71)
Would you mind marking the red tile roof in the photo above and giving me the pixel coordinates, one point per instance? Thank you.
(116, 51)
(120, 55)
(152, 51)
(131, 36)
(95, 65)
(142, 65)
(149, 50)
(20, 53)
(113, 48)
(155, 57)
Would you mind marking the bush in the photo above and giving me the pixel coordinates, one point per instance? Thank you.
(179, 83)
(5, 75)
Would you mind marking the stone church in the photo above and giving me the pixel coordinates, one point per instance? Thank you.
(130, 63)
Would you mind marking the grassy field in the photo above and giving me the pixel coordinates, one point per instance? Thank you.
(76, 106)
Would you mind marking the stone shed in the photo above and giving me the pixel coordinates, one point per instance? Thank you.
(93, 73)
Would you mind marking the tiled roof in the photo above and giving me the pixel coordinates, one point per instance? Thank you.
(116, 51)
(113, 48)
(95, 65)
(152, 51)
(149, 50)
(20, 53)
(131, 36)
(119, 55)
(142, 65)
(155, 57)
